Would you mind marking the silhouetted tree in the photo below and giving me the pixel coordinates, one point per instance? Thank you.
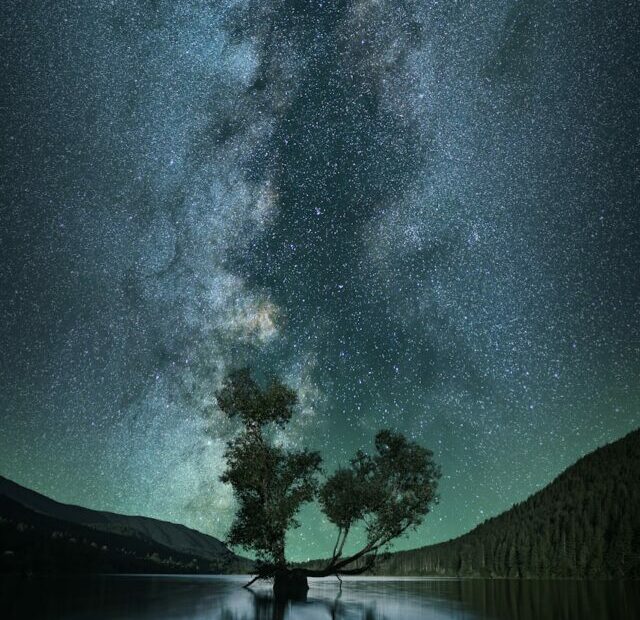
(269, 482)
(386, 493)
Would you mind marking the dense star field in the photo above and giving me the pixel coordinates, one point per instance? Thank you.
(422, 215)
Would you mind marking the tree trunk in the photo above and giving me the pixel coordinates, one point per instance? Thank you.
(290, 584)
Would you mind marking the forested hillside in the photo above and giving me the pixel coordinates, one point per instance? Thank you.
(586, 523)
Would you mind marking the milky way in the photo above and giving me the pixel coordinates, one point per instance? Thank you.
(423, 215)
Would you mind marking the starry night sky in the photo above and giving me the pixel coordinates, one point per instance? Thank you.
(421, 214)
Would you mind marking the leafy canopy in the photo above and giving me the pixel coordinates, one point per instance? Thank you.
(389, 492)
(270, 483)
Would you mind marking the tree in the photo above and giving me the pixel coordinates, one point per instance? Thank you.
(386, 493)
(269, 482)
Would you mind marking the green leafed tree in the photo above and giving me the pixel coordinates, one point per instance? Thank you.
(269, 482)
(385, 493)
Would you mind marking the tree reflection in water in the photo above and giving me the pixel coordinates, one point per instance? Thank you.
(444, 600)
(267, 607)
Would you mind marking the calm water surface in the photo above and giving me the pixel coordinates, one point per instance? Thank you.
(222, 598)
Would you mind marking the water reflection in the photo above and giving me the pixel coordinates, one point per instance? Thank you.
(345, 605)
(222, 598)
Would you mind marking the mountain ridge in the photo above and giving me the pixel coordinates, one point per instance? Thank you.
(178, 537)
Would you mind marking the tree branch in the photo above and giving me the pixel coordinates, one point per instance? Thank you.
(344, 538)
(335, 548)
(334, 566)
(247, 585)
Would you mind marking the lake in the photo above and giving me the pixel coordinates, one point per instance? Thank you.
(223, 598)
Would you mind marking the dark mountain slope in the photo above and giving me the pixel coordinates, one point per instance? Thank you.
(174, 536)
(586, 523)
(32, 542)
